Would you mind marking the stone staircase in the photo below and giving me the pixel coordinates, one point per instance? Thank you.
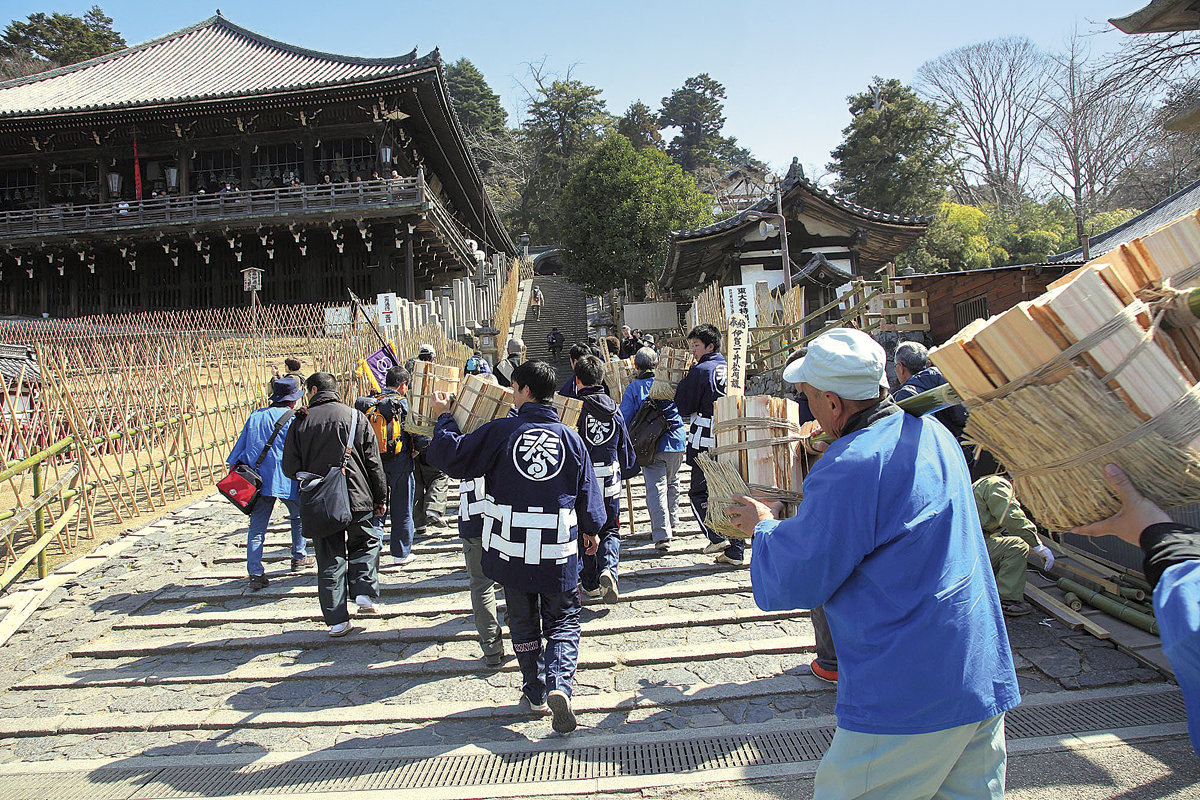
(565, 306)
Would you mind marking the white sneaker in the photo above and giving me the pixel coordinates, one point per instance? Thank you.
(400, 562)
(590, 592)
(341, 629)
(664, 545)
(608, 587)
(365, 605)
(716, 547)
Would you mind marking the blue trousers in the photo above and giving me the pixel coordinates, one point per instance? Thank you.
(607, 556)
(259, 517)
(698, 497)
(401, 485)
(555, 617)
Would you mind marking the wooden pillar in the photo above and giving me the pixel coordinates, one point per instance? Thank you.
(102, 175)
(244, 157)
(310, 173)
(183, 161)
(410, 282)
(43, 182)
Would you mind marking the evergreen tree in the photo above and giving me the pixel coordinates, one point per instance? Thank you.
(61, 39)
(640, 126)
(895, 153)
(477, 105)
(697, 110)
(618, 211)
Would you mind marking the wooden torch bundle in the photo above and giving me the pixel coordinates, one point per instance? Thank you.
(758, 451)
(672, 366)
(479, 401)
(1090, 374)
(568, 408)
(427, 378)
(618, 374)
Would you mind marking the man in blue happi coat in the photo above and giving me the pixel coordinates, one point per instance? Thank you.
(541, 493)
(614, 460)
(695, 396)
(887, 538)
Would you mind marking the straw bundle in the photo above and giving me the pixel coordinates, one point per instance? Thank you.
(569, 409)
(724, 483)
(479, 401)
(672, 366)
(427, 378)
(1084, 376)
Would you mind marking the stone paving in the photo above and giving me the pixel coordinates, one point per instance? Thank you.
(164, 651)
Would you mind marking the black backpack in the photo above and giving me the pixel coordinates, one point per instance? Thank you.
(646, 428)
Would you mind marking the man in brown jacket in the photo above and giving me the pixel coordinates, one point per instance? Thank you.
(347, 561)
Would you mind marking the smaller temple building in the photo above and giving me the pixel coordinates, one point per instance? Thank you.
(830, 241)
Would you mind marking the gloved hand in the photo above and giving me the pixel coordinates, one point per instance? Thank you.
(1046, 556)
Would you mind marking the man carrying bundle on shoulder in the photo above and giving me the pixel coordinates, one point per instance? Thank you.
(696, 395)
(614, 460)
(542, 494)
(888, 540)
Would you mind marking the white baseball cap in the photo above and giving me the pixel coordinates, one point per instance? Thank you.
(844, 361)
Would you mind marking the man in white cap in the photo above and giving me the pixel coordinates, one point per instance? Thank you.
(888, 541)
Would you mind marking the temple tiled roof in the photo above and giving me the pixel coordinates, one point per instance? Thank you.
(212, 59)
(1161, 16)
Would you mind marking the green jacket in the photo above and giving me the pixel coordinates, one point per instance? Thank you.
(999, 512)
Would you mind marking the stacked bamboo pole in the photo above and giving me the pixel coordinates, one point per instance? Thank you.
(479, 401)
(1085, 375)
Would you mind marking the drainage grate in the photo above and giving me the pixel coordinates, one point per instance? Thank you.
(572, 763)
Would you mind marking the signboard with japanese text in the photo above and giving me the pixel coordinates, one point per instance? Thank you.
(740, 300)
(386, 302)
(736, 339)
(252, 279)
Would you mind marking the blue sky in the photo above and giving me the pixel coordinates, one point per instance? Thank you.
(787, 66)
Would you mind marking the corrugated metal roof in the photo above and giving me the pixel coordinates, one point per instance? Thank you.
(212, 59)
(1185, 201)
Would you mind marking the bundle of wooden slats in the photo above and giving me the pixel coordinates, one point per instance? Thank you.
(759, 436)
(618, 374)
(428, 378)
(1085, 375)
(480, 400)
(672, 366)
(568, 408)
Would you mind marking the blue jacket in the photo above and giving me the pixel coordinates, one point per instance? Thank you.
(635, 394)
(954, 417)
(695, 396)
(606, 438)
(1177, 609)
(541, 491)
(887, 539)
(250, 443)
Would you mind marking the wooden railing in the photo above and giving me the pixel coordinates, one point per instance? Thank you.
(209, 207)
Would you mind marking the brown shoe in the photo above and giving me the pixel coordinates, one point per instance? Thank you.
(299, 564)
(259, 582)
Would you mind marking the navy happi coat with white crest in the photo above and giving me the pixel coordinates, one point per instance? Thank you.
(540, 493)
(606, 438)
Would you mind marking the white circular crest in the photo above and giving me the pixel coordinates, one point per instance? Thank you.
(599, 431)
(538, 454)
(718, 379)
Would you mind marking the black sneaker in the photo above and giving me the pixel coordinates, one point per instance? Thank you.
(560, 707)
(259, 582)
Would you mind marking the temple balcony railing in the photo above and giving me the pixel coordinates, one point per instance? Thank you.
(239, 209)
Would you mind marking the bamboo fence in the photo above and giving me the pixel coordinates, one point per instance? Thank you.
(133, 412)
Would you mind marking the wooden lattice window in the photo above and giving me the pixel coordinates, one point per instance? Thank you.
(345, 159)
(212, 169)
(970, 310)
(18, 189)
(276, 165)
(75, 183)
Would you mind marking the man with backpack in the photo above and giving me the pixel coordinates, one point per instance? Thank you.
(555, 341)
(325, 435)
(261, 444)
(606, 438)
(516, 356)
(386, 416)
(656, 428)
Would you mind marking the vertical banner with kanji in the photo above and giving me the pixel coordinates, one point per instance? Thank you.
(736, 340)
(740, 300)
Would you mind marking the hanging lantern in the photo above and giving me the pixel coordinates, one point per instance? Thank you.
(385, 154)
(172, 177)
(114, 183)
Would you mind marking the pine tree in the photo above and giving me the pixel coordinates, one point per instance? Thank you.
(61, 39)
(477, 105)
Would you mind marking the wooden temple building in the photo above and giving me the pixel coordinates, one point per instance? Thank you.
(152, 177)
(830, 242)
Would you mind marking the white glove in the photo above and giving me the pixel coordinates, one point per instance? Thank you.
(1046, 556)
